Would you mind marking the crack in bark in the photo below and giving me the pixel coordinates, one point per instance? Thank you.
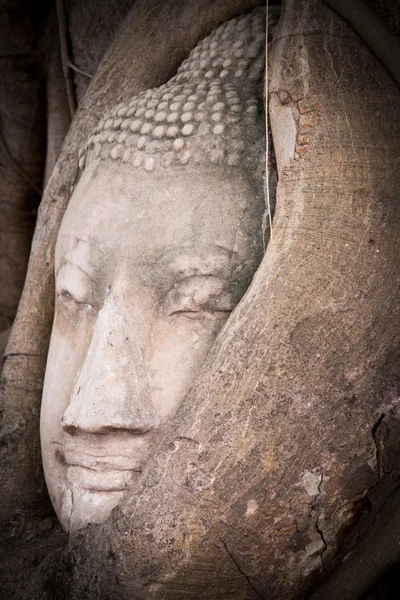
(319, 485)
(318, 507)
(320, 533)
(187, 439)
(11, 354)
(241, 571)
(378, 449)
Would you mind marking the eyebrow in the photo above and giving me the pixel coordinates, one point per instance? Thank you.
(195, 258)
(207, 251)
(66, 262)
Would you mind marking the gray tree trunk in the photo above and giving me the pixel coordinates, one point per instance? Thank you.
(58, 115)
(286, 450)
(22, 150)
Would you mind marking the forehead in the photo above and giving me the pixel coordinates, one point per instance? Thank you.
(118, 210)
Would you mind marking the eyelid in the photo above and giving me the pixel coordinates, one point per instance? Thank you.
(200, 293)
(67, 297)
(73, 284)
(72, 268)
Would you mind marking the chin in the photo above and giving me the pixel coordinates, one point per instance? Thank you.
(87, 483)
(80, 507)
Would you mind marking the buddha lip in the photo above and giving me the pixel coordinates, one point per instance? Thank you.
(101, 464)
(99, 481)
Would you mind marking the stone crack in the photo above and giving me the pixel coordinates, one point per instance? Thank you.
(241, 571)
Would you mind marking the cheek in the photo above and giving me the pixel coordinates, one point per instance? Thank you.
(67, 350)
(176, 355)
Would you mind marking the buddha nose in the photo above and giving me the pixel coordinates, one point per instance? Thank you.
(110, 392)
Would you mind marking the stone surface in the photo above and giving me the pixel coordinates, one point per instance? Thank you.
(151, 259)
(222, 75)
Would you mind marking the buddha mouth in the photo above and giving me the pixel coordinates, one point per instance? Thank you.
(100, 473)
(99, 481)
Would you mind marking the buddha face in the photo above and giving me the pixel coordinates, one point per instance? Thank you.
(147, 272)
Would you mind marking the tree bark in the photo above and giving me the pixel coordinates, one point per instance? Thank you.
(286, 449)
(364, 567)
(58, 116)
(382, 41)
(92, 26)
(22, 151)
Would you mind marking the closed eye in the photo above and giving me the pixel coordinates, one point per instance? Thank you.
(74, 287)
(199, 296)
(200, 313)
(70, 301)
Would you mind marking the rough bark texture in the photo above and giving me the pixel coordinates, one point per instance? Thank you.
(159, 37)
(377, 551)
(380, 40)
(92, 26)
(22, 150)
(58, 116)
(286, 450)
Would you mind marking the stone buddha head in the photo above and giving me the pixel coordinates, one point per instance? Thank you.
(160, 241)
